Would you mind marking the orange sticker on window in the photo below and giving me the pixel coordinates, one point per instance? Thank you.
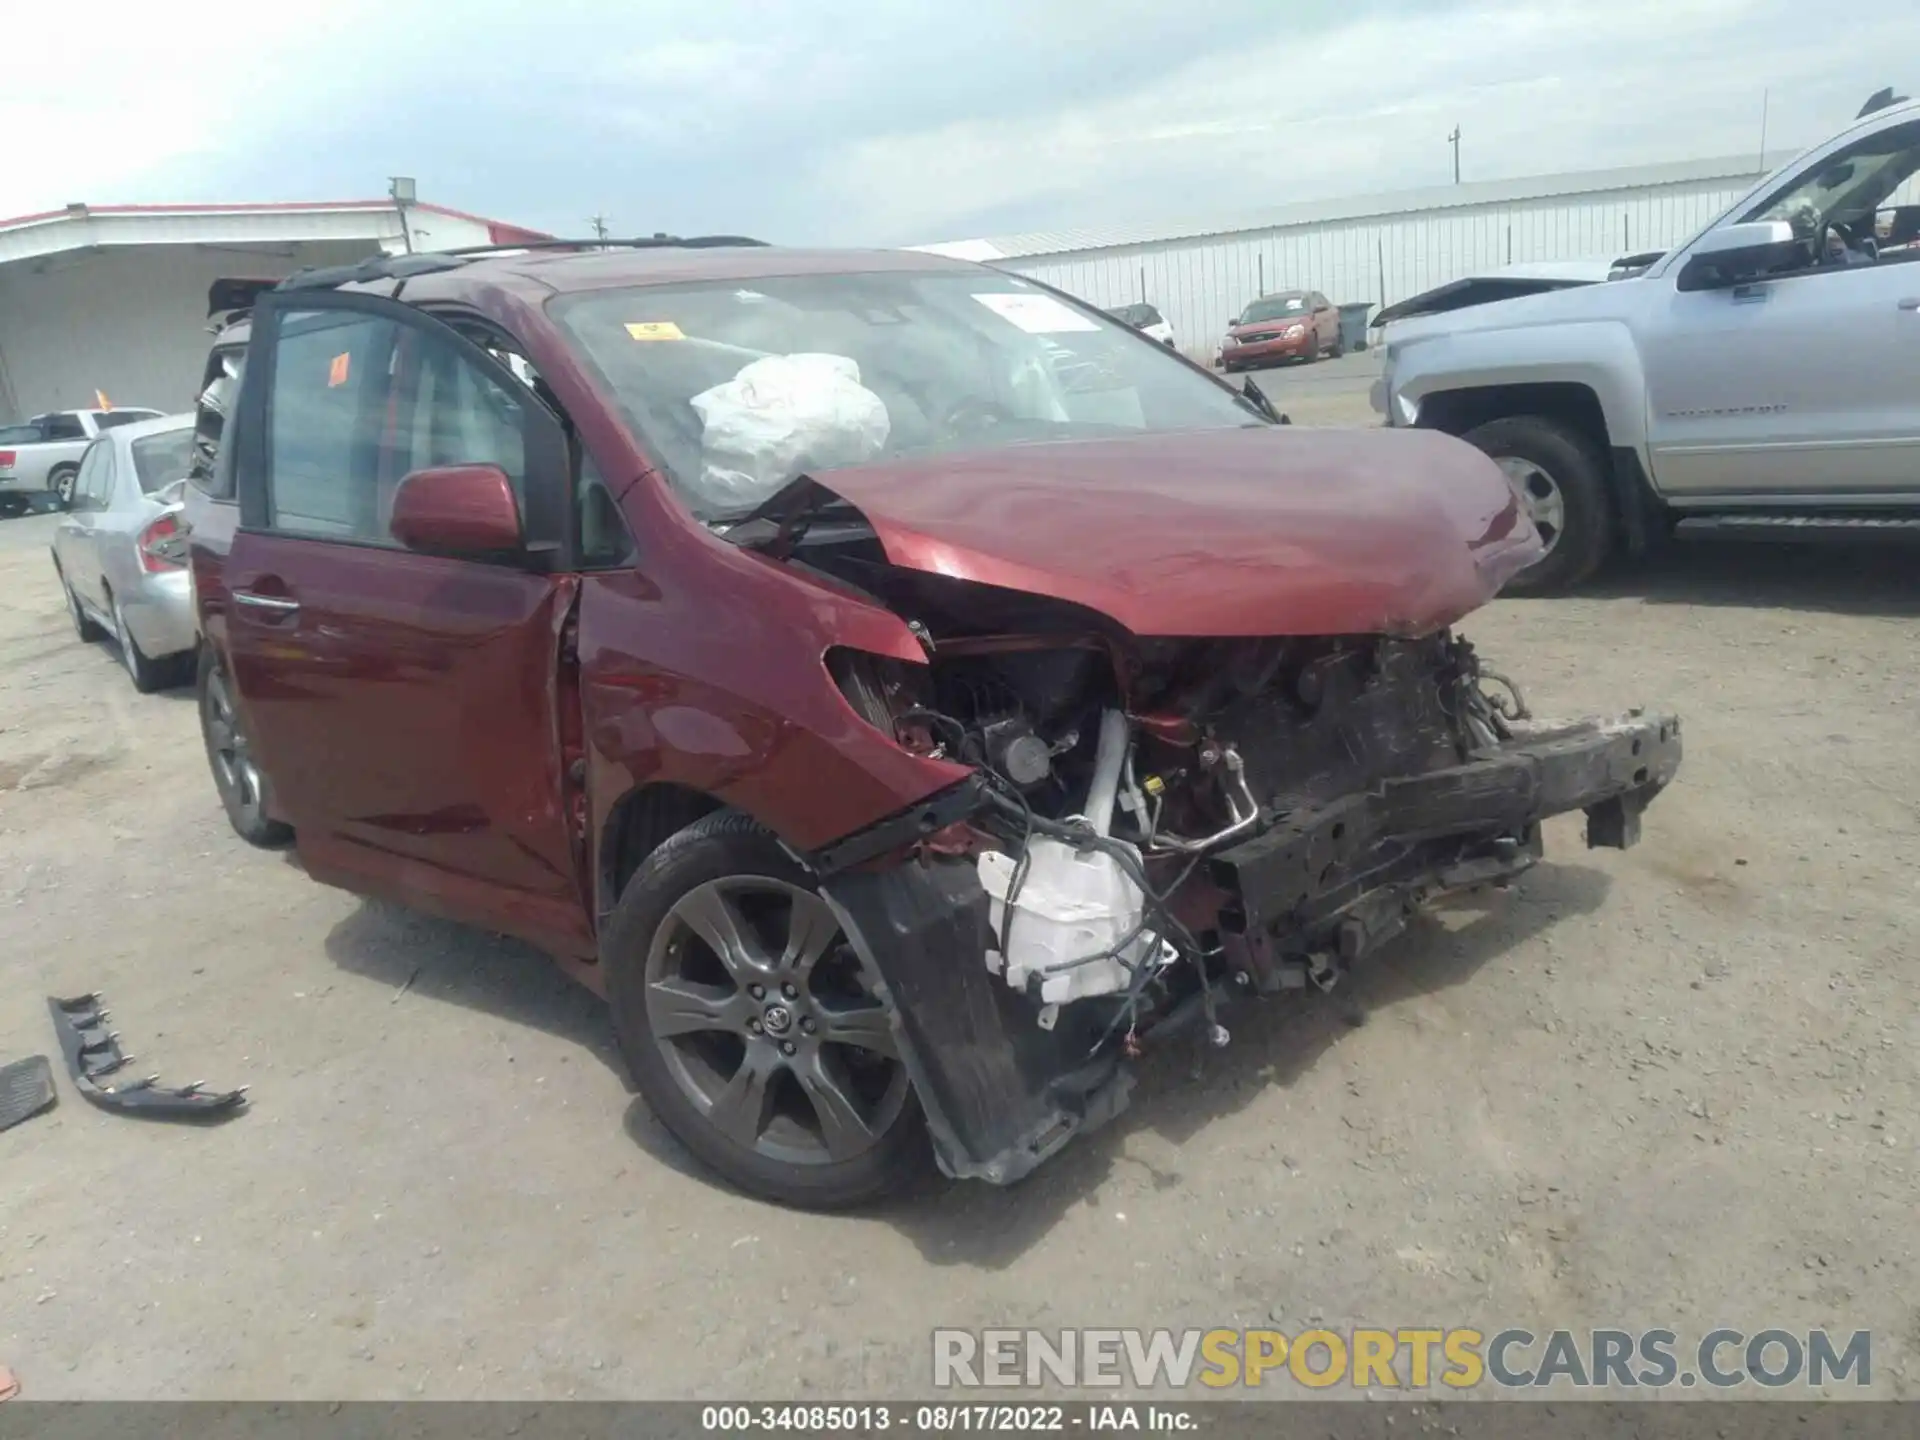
(337, 372)
(655, 330)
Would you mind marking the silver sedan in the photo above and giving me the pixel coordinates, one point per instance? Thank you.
(120, 554)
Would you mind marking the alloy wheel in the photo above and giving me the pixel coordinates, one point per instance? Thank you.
(129, 651)
(757, 1005)
(1541, 495)
(227, 744)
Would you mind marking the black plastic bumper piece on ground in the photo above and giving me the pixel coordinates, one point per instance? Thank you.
(26, 1088)
(1609, 769)
(94, 1058)
(1001, 1094)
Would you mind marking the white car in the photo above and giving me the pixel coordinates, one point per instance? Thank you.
(1147, 320)
(44, 454)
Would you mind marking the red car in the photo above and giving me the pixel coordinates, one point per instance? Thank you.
(1292, 325)
(901, 690)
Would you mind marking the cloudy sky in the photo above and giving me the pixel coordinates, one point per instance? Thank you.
(900, 121)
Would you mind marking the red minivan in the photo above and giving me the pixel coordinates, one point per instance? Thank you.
(903, 691)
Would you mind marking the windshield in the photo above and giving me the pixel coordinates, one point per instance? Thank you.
(161, 459)
(738, 388)
(1848, 187)
(1274, 307)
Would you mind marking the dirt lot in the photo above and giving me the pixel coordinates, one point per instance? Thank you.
(1675, 1086)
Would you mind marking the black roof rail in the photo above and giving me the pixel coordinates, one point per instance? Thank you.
(641, 242)
(377, 267)
(431, 262)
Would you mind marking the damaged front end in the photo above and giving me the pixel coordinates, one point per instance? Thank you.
(1154, 823)
(1221, 735)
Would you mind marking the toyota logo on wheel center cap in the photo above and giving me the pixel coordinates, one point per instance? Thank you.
(778, 1020)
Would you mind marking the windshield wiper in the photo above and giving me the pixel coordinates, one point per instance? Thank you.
(1257, 398)
(777, 525)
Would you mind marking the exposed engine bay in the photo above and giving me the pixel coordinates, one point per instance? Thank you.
(1162, 812)
(1159, 823)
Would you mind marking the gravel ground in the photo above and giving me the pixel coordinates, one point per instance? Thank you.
(1674, 1086)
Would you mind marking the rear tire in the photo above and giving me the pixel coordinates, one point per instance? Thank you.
(828, 1121)
(148, 675)
(82, 626)
(1556, 457)
(60, 482)
(241, 786)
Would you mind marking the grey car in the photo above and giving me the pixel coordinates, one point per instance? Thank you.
(120, 554)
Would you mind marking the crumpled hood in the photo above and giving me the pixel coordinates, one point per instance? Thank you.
(1269, 530)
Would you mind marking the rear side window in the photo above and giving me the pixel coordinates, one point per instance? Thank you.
(224, 369)
(19, 434)
(114, 419)
(62, 427)
(159, 460)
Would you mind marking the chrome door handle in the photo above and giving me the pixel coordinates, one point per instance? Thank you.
(1912, 302)
(275, 603)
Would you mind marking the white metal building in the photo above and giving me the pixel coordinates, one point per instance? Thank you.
(113, 299)
(1378, 248)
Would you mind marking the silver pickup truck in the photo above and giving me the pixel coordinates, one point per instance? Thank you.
(1762, 379)
(44, 454)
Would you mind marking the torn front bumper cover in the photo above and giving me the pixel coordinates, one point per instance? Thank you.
(94, 1059)
(1313, 891)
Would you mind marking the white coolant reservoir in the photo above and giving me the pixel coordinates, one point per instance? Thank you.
(1071, 904)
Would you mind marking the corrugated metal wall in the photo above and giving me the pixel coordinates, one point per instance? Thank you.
(1197, 283)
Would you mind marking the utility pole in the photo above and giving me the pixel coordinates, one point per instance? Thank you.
(402, 191)
(1454, 140)
(1765, 96)
(599, 224)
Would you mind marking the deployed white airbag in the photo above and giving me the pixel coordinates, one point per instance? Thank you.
(779, 417)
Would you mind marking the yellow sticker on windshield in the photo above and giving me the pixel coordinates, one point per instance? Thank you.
(655, 330)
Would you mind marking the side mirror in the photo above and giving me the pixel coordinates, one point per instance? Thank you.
(458, 510)
(1734, 254)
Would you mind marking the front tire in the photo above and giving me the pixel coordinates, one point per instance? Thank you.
(236, 777)
(747, 1025)
(1561, 479)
